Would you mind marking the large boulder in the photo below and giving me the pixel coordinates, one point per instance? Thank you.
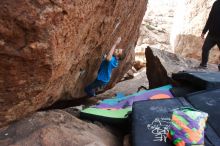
(51, 49)
(189, 21)
(56, 128)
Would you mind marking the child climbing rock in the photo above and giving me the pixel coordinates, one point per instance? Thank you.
(109, 62)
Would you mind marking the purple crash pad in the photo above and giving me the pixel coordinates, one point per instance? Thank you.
(154, 94)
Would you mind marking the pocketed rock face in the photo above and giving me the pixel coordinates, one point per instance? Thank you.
(51, 49)
(189, 21)
(56, 128)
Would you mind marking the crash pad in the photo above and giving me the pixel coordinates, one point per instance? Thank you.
(151, 122)
(208, 101)
(127, 101)
(199, 80)
(111, 116)
(117, 109)
(116, 100)
(181, 91)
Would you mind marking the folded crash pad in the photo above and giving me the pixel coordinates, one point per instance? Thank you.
(199, 80)
(151, 122)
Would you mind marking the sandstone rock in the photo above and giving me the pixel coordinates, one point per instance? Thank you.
(156, 73)
(127, 87)
(51, 49)
(127, 140)
(139, 65)
(129, 75)
(156, 25)
(161, 64)
(189, 21)
(56, 128)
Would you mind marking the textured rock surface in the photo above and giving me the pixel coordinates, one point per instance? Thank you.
(190, 18)
(56, 128)
(161, 65)
(52, 48)
(156, 25)
(156, 73)
(129, 86)
(126, 87)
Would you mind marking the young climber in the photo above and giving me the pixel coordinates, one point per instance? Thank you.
(213, 37)
(109, 62)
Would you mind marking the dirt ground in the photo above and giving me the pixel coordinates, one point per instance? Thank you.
(127, 87)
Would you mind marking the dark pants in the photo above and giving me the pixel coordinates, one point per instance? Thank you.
(91, 88)
(209, 43)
